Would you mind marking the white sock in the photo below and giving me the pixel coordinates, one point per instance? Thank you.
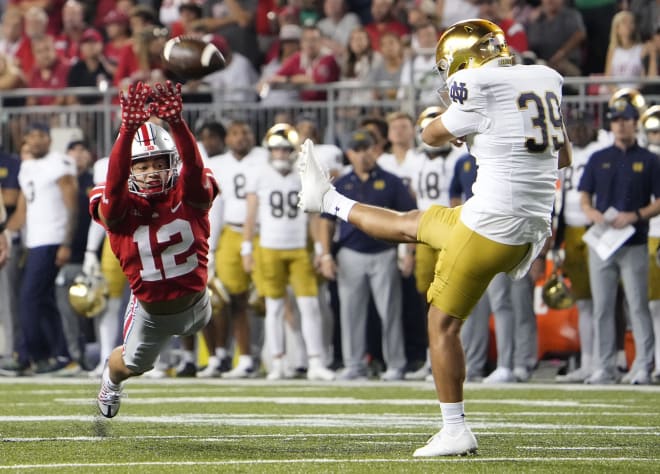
(245, 360)
(106, 380)
(337, 204)
(274, 326)
(310, 320)
(453, 417)
(220, 353)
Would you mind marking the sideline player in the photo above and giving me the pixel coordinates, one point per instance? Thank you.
(158, 227)
(509, 116)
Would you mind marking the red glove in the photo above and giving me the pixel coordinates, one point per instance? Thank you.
(133, 106)
(167, 103)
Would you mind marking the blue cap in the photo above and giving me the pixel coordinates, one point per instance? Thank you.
(39, 126)
(622, 109)
(360, 139)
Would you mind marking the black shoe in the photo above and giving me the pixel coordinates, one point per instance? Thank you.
(14, 368)
(225, 365)
(188, 370)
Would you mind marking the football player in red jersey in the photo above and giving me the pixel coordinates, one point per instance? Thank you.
(158, 226)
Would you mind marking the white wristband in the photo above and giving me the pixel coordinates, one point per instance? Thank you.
(246, 248)
(318, 249)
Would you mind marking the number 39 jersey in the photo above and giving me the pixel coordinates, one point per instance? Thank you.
(511, 119)
(232, 179)
(282, 224)
(161, 244)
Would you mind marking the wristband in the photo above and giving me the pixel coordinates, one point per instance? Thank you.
(318, 248)
(246, 248)
(638, 214)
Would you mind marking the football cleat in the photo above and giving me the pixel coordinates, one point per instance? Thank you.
(500, 375)
(444, 444)
(276, 369)
(109, 399)
(315, 182)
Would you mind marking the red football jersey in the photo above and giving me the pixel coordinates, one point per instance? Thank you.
(162, 244)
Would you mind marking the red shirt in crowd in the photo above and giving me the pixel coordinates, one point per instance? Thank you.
(323, 70)
(55, 78)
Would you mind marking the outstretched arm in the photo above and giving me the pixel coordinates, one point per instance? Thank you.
(199, 187)
(114, 201)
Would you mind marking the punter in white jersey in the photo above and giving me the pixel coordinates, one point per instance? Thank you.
(584, 137)
(272, 200)
(509, 116)
(227, 216)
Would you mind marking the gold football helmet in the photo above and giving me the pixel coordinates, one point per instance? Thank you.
(650, 119)
(88, 295)
(630, 95)
(282, 136)
(219, 296)
(556, 293)
(470, 44)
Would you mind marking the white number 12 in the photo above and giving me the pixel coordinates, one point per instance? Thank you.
(170, 267)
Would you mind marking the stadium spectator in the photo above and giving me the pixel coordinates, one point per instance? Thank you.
(141, 60)
(288, 44)
(67, 42)
(556, 34)
(388, 71)
(337, 25)
(363, 265)
(237, 80)
(52, 9)
(11, 32)
(141, 17)
(499, 12)
(49, 72)
(359, 61)
(623, 176)
(90, 70)
(382, 21)
(35, 22)
(626, 53)
(47, 206)
(597, 16)
(309, 66)
(116, 27)
(234, 20)
(451, 11)
(189, 12)
(168, 295)
(419, 69)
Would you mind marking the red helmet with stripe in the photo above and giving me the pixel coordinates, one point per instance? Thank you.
(152, 141)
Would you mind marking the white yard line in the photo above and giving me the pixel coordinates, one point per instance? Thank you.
(447, 460)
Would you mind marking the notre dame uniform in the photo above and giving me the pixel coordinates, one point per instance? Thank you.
(511, 121)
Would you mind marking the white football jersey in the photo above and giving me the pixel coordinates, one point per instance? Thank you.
(573, 214)
(330, 157)
(47, 216)
(510, 117)
(100, 170)
(231, 175)
(431, 185)
(282, 224)
(407, 170)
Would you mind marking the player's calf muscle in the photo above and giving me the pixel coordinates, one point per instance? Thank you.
(385, 224)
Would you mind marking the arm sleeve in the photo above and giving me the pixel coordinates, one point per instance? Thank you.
(199, 186)
(114, 202)
(95, 235)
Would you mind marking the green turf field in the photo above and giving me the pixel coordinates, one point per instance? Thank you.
(51, 425)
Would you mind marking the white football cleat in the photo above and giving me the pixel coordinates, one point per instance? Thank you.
(315, 182)
(500, 375)
(108, 399)
(276, 371)
(444, 444)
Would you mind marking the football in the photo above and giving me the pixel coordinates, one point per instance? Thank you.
(192, 58)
